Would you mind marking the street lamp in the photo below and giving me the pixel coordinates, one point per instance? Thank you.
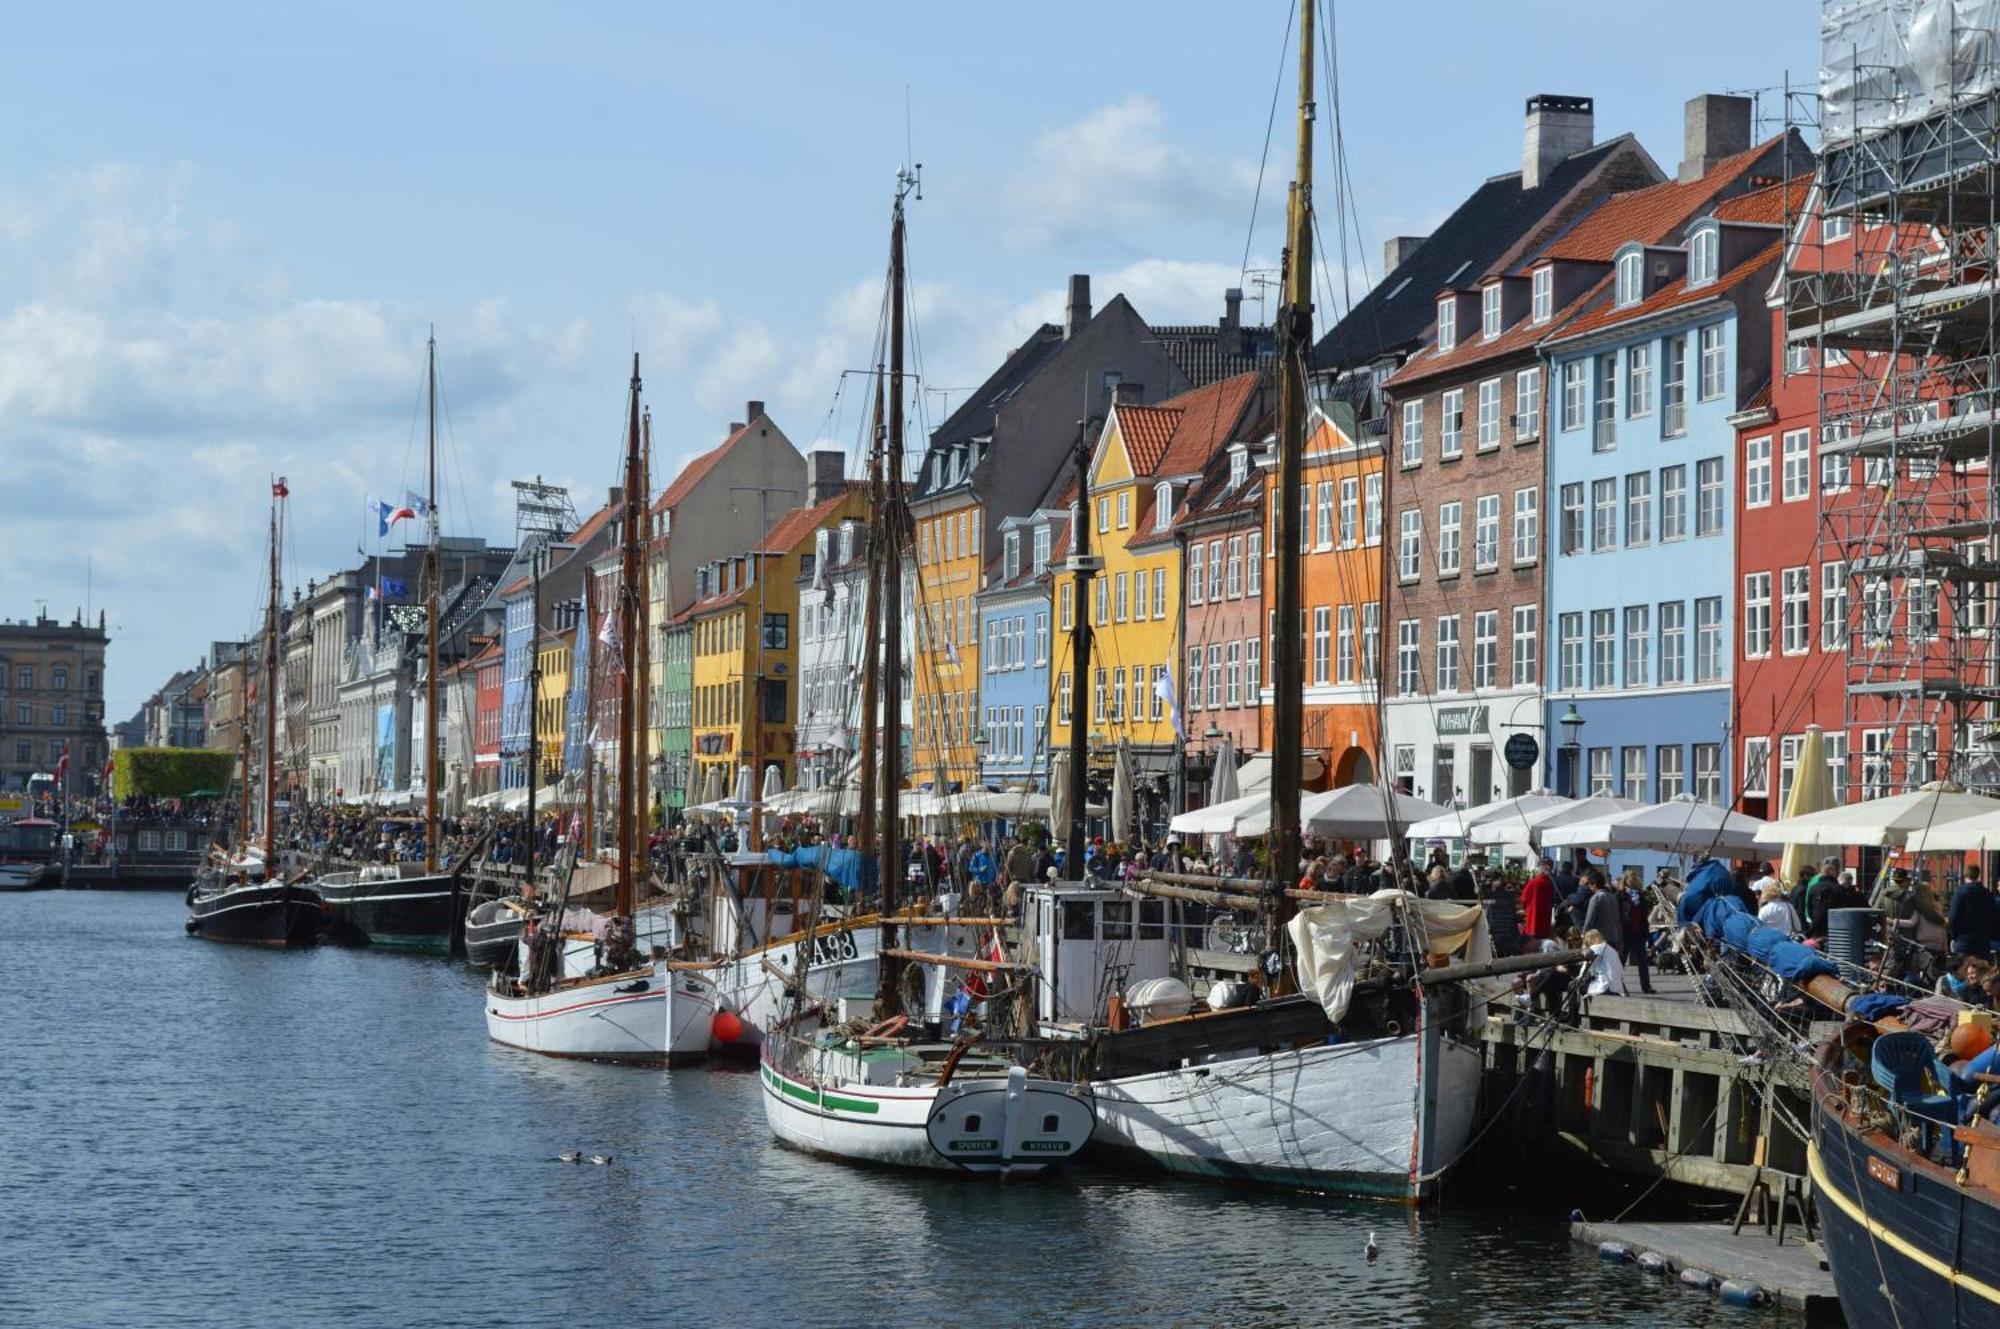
(1571, 721)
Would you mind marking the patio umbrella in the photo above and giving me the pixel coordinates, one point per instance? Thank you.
(1222, 788)
(1454, 825)
(1361, 812)
(711, 785)
(1529, 826)
(746, 785)
(1121, 794)
(1683, 825)
(1881, 821)
(1967, 835)
(1812, 791)
(774, 781)
(1061, 814)
(1226, 818)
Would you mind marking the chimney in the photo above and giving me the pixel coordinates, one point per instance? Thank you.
(1232, 309)
(1078, 313)
(825, 475)
(752, 409)
(1557, 127)
(1714, 127)
(1397, 248)
(1127, 394)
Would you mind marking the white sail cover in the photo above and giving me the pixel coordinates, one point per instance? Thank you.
(1324, 937)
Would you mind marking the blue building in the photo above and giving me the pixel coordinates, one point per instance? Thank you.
(1642, 594)
(517, 715)
(1014, 626)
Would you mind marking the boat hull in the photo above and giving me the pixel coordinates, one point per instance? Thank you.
(843, 964)
(397, 913)
(492, 935)
(651, 1017)
(279, 914)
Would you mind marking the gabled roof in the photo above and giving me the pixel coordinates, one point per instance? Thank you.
(1210, 352)
(975, 416)
(1675, 295)
(1649, 215)
(799, 523)
(1210, 418)
(1027, 576)
(697, 470)
(1772, 205)
(1394, 315)
(1146, 430)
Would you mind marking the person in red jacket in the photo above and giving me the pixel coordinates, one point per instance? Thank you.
(1538, 897)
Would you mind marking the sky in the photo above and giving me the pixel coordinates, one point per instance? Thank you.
(227, 229)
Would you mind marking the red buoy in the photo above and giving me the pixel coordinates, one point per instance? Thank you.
(726, 1028)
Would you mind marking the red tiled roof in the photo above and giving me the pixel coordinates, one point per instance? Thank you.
(797, 524)
(1651, 214)
(1208, 417)
(1769, 206)
(695, 471)
(1671, 296)
(1146, 430)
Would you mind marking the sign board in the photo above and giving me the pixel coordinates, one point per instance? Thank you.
(1453, 721)
(1522, 752)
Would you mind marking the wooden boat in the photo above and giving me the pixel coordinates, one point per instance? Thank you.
(397, 906)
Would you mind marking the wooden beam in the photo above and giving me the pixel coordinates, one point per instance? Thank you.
(957, 961)
(1154, 885)
(1509, 964)
(1198, 879)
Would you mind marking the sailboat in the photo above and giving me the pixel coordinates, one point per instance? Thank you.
(629, 1007)
(410, 906)
(869, 1090)
(243, 897)
(1362, 1087)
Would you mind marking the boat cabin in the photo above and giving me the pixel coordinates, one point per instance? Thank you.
(1089, 943)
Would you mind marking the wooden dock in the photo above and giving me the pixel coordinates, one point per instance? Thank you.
(1792, 1275)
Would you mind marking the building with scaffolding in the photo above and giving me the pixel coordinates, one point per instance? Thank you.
(1896, 292)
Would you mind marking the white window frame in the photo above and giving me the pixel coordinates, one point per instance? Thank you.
(1638, 646)
(1487, 435)
(1833, 605)
(1542, 297)
(1410, 545)
(1451, 517)
(1447, 653)
(1756, 615)
(1672, 669)
(1639, 380)
(1712, 362)
(1757, 472)
(1371, 509)
(1796, 482)
(1704, 255)
(1629, 280)
(1711, 511)
(1575, 395)
(1527, 627)
(1486, 533)
(1485, 650)
(1527, 404)
(1489, 312)
(1447, 323)
(1413, 432)
(1527, 525)
(1570, 666)
(1451, 424)
(1795, 610)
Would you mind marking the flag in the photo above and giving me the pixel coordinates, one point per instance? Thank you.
(109, 766)
(62, 763)
(607, 631)
(278, 488)
(416, 504)
(394, 588)
(1163, 688)
(387, 514)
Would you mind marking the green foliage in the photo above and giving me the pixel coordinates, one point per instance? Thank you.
(169, 772)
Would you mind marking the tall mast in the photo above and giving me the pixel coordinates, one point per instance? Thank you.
(534, 697)
(1079, 654)
(628, 625)
(893, 521)
(278, 492)
(431, 579)
(1294, 345)
(642, 648)
(871, 669)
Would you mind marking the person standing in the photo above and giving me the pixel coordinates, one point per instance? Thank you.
(1637, 945)
(1605, 914)
(1971, 916)
(1538, 901)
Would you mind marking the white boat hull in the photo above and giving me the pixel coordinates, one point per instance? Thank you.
(1361, 1118)
(653, 1017)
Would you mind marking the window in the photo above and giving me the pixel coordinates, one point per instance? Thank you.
(1489, 312)
(1639, 508)
(1447, 322)
(1757, 614)
(1486, 533)
(1603, 515)
(1542, 303)
(1924, 597)
(1604, 412)
(1451, 424)
(1569, 651)
(1322, 641)
(1102, 609)
(1163, 501)
(1756, 765)
(1010, 547)
(1255, 581)
(59, 679)
(1103, 517)
(1214, 571)
(1572, 518)
(1233, 663)
(1343, 653)
(1489, 414)
(1756, 473)
(1634, 774)
(1673, 389)
(1527, 404)
(1194, 671)
(1708, 772)
(1875, 759)
(1673, 780)
(1673, 643)
(1575, 395)
(1235, 578)
(1410, 546)
(1673, 503)
(1449, 515)
(1795, 600)
(1714, 365)
(1124, 598)
(1323, 516)
(1527, 524)
(1444, 778)
(1704, 248)
(1486, 649)
(1836, 766)
(1708, 513)
(1798, 465)
(1042, 637)
(1833, 606)
(1350, 512)
(1603, 776)
(1239, 466)
(1447, 653)
(1836, 228)
(1197, 572)
(1408, 661)
(24, 677)
(777, 631)
(59, 714)
(1836, 469)
(1525, 625)
(1604, 648)
(1638, 646)
(1639, 381)
(1708, 639)
(1124, 508)
(1413, 433)
(1371, 510)
(1068, 605)
(1630, 284)
(1371, 638)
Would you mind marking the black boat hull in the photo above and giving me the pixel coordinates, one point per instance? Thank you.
(280, 914)
(494, 944)
(406, 913)
(1906, 1244)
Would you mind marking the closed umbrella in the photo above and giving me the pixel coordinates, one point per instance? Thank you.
(1061, 814)
(711, 786)
(1881, 821)
(1812, 791)
(1121, 794)
(746, 785)
(1222, 788)
(774, 781)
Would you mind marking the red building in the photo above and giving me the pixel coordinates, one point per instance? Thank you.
(489, 666)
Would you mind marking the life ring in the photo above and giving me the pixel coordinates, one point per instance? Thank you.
(890, 1027)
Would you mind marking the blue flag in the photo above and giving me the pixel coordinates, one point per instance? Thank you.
(394, 589)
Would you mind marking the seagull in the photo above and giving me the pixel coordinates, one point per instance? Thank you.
(600, 1159)
(570, 1156)
(1371, 1248)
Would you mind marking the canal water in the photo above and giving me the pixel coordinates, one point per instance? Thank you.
(194, 1134)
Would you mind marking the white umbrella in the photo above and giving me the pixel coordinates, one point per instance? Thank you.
(1361, 812)
(711, 785)
(1121, 794)
(1678, 826)
(1222, 787)
(746, 785)
(774, 781)
(1009, 803)
(1226, 818)
(1967, 835)
(1529, 826)
(1061, 814)
(1454, 825)
(1881, 821)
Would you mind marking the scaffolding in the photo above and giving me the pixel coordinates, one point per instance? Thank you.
(1890, 293)
(542, 512)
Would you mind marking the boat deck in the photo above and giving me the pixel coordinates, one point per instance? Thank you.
(1793, 1274)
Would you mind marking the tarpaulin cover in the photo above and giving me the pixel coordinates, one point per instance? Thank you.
(1737, 930)
(844, 866)
(1798, 963)
(1323, 937)
(1875, 1005)
(1709, 879)
(1708, 904)
(1762, 942)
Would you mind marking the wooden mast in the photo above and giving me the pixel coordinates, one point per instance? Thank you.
(894, 519)
(628, 623)
(534, 695)
(1287, 654)
(642, 679)
(1079, 654)
(867, 828)
(431, 612)
(278, 492)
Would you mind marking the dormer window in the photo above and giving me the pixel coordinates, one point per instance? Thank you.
(1489, 312)
(1239, 467)
(1042, 539)
(1542, 305)
(1447, 323)
(1012, 555)
(1704, 253)
(1163, 505)
(847, 529)
(1631, 279)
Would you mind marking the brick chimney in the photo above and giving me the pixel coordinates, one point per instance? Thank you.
(1558, 126)
(1078, 312)
(1232, 309)
(1713, 127)
(1397, 248)
(826, 475)
(1127, 394)
(752, 409)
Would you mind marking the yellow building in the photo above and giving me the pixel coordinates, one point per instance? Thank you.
(552, 701)
(1145, 464)
(745, 643)
(945, 620)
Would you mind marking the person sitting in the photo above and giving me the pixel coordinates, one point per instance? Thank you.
(1606, 974)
